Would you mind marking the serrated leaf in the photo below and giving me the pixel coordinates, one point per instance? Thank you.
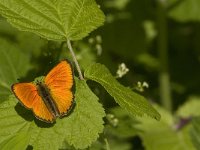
(54, 19)
(86, 122)
(79, 129)
(185, 110)
(14, 64)
(195, 132)
(162, 135)
(125, 97)
(186, 10)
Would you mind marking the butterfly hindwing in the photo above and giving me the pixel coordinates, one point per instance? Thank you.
(27, 94)
(41, 112)
(59, 81)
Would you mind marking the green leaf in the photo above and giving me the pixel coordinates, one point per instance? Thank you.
(186, 10)
(195, 132)
(80, 128)
(125, 97)
(54, 19)
(14, 64)
(86, 121)
(163, 135)
(20, 141)
(6, 29)
(186, 111)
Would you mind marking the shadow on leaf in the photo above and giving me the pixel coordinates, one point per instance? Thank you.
(29, 147)
(43, 124)
(28, 116)
(23, 112)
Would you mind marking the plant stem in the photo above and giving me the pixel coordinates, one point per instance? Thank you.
(107, 144)
(75, 60)
(164, 77)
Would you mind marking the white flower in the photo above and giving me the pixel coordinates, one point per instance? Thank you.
(122, 70)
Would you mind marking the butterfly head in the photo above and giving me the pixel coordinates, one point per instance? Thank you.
(39, 80)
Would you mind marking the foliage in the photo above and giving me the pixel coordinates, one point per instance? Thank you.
(152, 133)
(127, 99)
(185, 10)
(79, 129)
(54, 20)
(20, 141)
(111, 110)
(195, 131)
(121, 124)
(185, 110)
(11, 55)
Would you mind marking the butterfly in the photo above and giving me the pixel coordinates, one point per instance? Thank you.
(51, 96)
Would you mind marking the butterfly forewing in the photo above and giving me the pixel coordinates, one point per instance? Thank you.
(27, 94)
(59, 82)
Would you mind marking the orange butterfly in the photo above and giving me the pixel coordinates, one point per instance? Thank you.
(51, 97)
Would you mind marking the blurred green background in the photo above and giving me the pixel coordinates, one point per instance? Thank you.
(155, 37)
(159, 42)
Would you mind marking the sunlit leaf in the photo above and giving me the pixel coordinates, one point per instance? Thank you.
(80, 128)
(86, 122)
(19, 141)
(125, 97)
(54, 19)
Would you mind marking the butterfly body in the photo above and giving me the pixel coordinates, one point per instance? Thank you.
(44, 93)
(51, 96)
